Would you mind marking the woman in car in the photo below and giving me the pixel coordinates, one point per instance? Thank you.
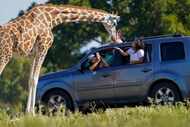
(136, 52)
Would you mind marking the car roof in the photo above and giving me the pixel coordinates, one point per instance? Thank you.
(145, 39)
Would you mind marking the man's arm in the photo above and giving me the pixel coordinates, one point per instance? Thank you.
(93, 67)
(122, 52)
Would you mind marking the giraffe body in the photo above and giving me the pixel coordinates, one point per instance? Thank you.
(31, 35)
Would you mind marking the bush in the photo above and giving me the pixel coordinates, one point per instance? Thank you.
(154, 116)
(13, 84)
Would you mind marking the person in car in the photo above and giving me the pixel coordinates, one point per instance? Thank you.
(97, 62)
(136, 52)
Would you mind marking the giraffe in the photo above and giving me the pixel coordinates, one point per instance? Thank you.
(31, 35)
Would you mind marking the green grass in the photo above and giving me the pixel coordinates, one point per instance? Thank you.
(153, 116)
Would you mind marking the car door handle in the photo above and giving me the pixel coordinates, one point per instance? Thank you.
(145, 70)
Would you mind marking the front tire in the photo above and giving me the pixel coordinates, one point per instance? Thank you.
(165, 93)
(58, 101)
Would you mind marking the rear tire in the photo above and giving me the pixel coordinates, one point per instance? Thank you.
(165, 93)
(57, 101)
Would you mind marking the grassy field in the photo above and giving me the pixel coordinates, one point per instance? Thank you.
(153, 116)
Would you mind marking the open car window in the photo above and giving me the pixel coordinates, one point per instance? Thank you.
(147, 54)
(107, 56)
(114, 58)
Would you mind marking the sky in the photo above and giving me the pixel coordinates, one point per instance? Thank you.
(10, 8)
(91, 44)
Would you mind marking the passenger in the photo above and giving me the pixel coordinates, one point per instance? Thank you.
(136, 52)
(97, 62)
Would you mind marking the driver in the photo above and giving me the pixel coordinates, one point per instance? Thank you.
(97, 62)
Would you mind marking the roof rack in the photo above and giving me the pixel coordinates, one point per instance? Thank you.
(158, 36)
(161, 36)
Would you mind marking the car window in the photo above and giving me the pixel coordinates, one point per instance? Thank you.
(111, 57)
(114, 58)
(108, 56)
(147, 54)
(172, 51)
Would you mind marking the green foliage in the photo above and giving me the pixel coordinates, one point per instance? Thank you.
(14, 83)
(174, 116)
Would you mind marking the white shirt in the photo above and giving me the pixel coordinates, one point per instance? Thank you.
(135, 56)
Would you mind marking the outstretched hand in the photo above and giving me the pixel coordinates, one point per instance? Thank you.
(98, 56)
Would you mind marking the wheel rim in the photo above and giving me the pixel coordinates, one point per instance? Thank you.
(56, 102)
(164, 95)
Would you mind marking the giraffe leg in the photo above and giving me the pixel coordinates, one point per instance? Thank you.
(4, 59)
(33, 80)
(41, 52)
(30, 87)
(2, 66)
(5, 50)
(38, 64)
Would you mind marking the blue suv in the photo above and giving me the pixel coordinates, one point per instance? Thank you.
(164, 76)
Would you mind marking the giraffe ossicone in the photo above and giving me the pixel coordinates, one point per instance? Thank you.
(31, 35)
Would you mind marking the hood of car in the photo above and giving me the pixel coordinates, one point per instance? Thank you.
(63, 73)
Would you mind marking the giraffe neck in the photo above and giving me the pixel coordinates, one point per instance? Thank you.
(56, 15)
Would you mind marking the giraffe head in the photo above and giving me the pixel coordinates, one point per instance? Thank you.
(110, 24)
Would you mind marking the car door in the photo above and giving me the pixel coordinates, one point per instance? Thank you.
(94, 85)
(97, 85)
(130, 79)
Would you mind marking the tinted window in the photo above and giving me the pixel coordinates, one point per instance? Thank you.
(148, 52)
(172, 51)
